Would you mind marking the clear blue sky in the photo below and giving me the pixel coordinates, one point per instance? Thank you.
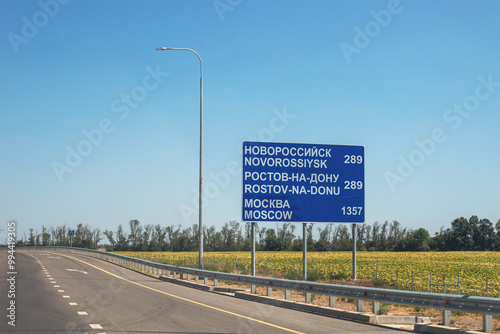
(416, 82)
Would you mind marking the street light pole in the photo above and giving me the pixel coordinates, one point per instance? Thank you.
(200, 217)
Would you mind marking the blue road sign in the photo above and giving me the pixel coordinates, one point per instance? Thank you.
(296, 182)
(71, 233)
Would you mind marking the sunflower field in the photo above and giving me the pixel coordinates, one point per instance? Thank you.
(466, 273)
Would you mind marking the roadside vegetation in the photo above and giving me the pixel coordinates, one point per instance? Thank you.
(471, 234)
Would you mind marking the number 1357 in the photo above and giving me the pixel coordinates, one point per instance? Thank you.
(352, 210)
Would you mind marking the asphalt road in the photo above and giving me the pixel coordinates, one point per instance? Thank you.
(60, 292)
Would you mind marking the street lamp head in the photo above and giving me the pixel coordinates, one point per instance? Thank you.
(163, 48)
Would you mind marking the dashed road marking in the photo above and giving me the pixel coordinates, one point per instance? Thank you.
(73, 304)
(95, 326)
(82, 313)
(66, 297)
(60, 290)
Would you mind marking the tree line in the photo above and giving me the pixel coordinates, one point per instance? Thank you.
(471, 234)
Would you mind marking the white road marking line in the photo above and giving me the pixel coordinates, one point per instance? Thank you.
(66, 297)
(50, 278)
(82, 313)
(56, 286)
(60, 290)
(53, 282)
(78, 271)
(95, 326)
(73, 304)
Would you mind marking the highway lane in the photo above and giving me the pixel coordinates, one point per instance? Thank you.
(106, 298)
(37, 303)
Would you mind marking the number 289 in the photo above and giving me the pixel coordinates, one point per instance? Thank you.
(353, 159)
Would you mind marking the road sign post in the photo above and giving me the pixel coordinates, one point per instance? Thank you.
(303, 183)
(71, 234)
(289, 182)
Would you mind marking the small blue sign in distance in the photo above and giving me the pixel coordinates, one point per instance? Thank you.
(297, 182)
(71, 233)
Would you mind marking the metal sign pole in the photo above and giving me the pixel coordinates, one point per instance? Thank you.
(304, 251)
(253, 248)
(353, 251)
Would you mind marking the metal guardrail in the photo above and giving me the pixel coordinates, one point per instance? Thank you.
(483, 305)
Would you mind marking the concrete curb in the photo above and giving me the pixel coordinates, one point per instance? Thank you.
(334, 312)
(436, 329)
(420, 323)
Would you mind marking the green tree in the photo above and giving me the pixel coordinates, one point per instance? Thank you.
(272, 243)
(415, 241)
(32, 241)
(45, 236)
(461, 235)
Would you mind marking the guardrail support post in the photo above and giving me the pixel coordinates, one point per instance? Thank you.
(308, 297)
(188, 277)
(253, 288)
(446, 317)
(331, 301)
(287, 294)
(269, 291)
(174, 274)
(487, 323)
(205, 280)
(197, 279)
(216, 283)
(359, 305)
(376, 308)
